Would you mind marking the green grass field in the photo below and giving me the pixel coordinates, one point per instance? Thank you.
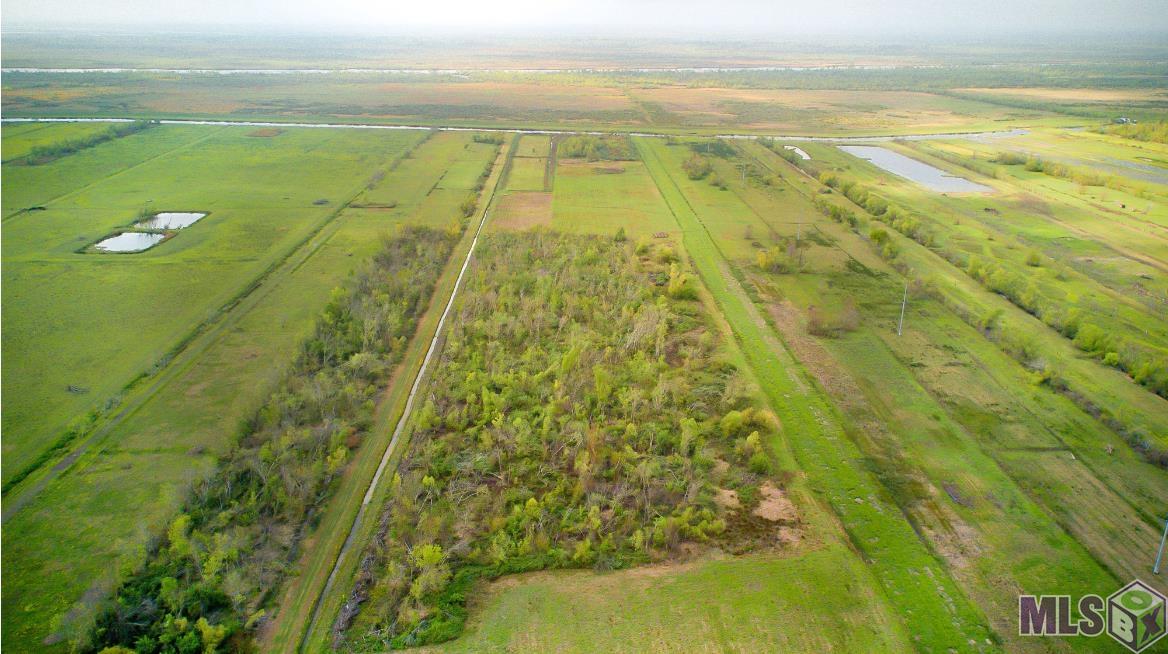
(750, 604)
(1011, 439)
(94, 322)
(178, 422)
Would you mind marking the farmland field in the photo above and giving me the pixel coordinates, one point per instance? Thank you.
(707, 347)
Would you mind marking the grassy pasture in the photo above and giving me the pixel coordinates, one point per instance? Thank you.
(92, 322)
(604, 196)
(940, 458)
(988, 398)
(527, 174)
(752, 604)
(1054, 222)
(175, 432)
(21, 139)
(941, 616)
(533, 145)
(1125, 314)
(521, 210)
(1141, 103)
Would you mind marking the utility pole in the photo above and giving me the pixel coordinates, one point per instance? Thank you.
(798, 246)
(903, 303)
(1160, 554)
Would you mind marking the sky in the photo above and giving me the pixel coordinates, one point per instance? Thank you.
(623, 17)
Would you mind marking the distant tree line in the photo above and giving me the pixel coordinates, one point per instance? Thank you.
(43, 154)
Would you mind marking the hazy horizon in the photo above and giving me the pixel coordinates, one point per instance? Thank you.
(965, 20)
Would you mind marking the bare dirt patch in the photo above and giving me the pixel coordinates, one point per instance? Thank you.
(523, 209)
(773, 505)
(266, 132)
(727, 499)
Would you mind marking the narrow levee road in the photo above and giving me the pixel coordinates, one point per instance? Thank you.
(506, 130)
(297, 625)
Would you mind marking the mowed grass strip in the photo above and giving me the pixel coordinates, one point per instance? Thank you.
(604, 196)
(757, 603)
(175, 436)
(932, 605)
(527, 174)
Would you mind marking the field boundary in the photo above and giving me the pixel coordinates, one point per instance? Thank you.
(220, 320)
(291, 635)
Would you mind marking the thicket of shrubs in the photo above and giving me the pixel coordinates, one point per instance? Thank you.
(579, 417)
(43, 154)
(1156, 131)
(596, 148)
(205, 585)
(696, 167)
(713, 147)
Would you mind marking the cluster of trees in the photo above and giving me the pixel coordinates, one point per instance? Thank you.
(783, 257)
(43, 154)
(493, 139)
(206, 585)
(837, 213)
(790, 155)
(597, 148)
(1062, 171)
(696, 167)
(1155, 131)
(713, 147)
(579, 417)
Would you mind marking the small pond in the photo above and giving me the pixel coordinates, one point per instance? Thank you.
(171, 220)
(930, 177)
(129, 242)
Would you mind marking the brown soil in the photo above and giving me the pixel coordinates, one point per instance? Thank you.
(727, 499)
(521, 210)
(774, 505)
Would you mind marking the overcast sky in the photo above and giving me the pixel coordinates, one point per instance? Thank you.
(665, 17)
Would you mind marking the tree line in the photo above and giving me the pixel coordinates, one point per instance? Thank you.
(207, 583)
(43, 154)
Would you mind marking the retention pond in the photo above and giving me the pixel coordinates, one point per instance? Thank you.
(930, 177)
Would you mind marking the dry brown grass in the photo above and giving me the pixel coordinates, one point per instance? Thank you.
(518, 95)
(1078, 95)
(522, 210)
